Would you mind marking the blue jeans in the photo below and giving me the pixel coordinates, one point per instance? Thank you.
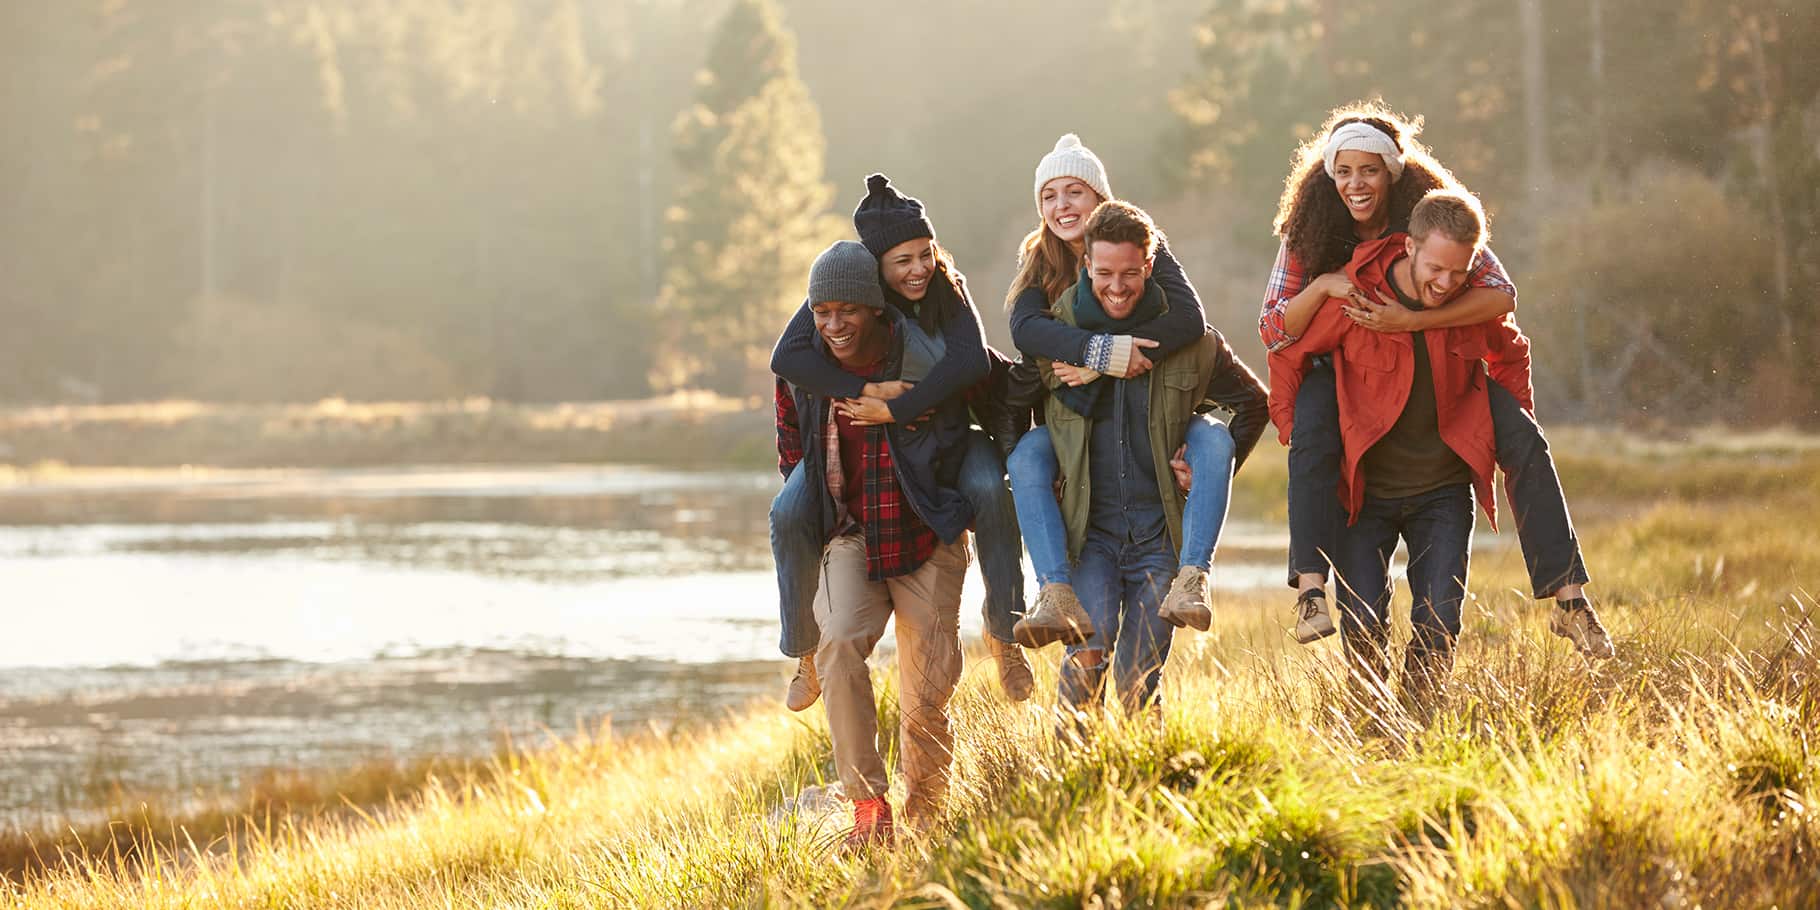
(796, 545)
(1033, 471)
(1317, 518)
(1121, 585)
(1210, 455)
(1437, 526)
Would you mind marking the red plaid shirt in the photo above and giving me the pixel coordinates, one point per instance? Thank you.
(897, 541)
(1288, 278)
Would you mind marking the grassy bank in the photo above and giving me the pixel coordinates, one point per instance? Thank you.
(687, 429)
(1682, 773)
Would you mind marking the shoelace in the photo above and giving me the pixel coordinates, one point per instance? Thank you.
(1312, 606)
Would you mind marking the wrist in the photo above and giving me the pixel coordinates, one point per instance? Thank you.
(1118, 361)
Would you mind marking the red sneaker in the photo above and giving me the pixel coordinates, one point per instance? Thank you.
(871, 825)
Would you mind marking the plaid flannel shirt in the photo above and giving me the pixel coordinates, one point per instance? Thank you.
(1288, 278)
(897, 541)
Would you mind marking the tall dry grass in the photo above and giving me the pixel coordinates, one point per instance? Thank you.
(1680, 774)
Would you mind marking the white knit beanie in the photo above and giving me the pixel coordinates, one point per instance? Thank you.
(1363, 137)
(1072, 159)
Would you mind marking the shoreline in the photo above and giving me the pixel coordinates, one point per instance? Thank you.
(683, 429)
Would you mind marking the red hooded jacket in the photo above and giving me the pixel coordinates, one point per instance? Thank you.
(1374, 372)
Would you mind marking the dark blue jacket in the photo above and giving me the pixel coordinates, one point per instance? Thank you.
(926, 459)
(947, 310)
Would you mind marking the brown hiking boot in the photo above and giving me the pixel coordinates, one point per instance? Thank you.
(1058, 616)
(1313, 621)
(871, 825)
(1013, 668)
(1576, 621)
(1186, 603)
(805, 686)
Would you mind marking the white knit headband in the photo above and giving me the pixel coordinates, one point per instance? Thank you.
(1363, 137)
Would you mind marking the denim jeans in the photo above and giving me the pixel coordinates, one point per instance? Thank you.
(1032, 467)
(1210, 455)
(1033, 472)
(1121, 585)
(1437, 526)
(1317, 518)
(796, 545)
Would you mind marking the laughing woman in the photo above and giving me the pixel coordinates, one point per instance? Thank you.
(1356, 181)
(945, 356)
(1070, 183)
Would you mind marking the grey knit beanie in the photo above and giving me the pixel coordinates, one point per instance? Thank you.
(1072, 159)
(846, 272)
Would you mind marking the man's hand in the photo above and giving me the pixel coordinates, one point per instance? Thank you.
(886, 391)
(1073, 375)
(1384, 314)
(1139, 363)
(865, 411)
(1178, 465)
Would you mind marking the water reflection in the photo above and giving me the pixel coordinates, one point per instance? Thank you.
(182, 630)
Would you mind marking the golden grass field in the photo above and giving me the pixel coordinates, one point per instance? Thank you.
(1680, 774)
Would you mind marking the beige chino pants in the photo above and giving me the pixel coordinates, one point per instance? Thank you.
(852, 612)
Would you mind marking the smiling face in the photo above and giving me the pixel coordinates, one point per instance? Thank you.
(854, 332)
(1066, 202)
(908, 267)
(1118, 271)
(1364, 186)
(1439, 266)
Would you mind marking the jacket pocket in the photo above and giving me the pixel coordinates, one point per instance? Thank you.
(1472, 348)
(1180, 378)
(1379, 357)
(1470, 352)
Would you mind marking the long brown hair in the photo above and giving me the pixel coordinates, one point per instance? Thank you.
(1043, 261)
(1311, 218)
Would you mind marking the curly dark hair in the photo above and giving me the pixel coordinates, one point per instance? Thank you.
(1311, 218)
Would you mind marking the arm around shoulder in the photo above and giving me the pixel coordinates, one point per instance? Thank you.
(796, 360)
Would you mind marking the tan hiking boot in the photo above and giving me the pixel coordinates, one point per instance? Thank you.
(1058, 616)
(1576, 621)
(1313, 621)
(1013, 668)
(1186, 603)
(805, 686)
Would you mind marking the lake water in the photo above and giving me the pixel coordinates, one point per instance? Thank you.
(180, 631)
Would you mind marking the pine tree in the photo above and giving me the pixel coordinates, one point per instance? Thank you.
(751, 207)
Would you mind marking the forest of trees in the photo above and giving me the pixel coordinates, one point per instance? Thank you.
(542, 200)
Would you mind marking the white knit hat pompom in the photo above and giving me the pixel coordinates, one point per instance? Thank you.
(1072, 159)
(1363, 137)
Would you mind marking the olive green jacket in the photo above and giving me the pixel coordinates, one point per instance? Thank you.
(1205, 372)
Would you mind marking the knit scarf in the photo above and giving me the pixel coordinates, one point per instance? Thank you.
(1090, 399)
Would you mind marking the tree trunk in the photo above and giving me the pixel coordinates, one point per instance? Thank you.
(1535, 100)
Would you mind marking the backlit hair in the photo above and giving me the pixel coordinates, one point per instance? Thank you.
(1118, 221)
(1311, 218)
(1043, 261)
(1457, 214)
